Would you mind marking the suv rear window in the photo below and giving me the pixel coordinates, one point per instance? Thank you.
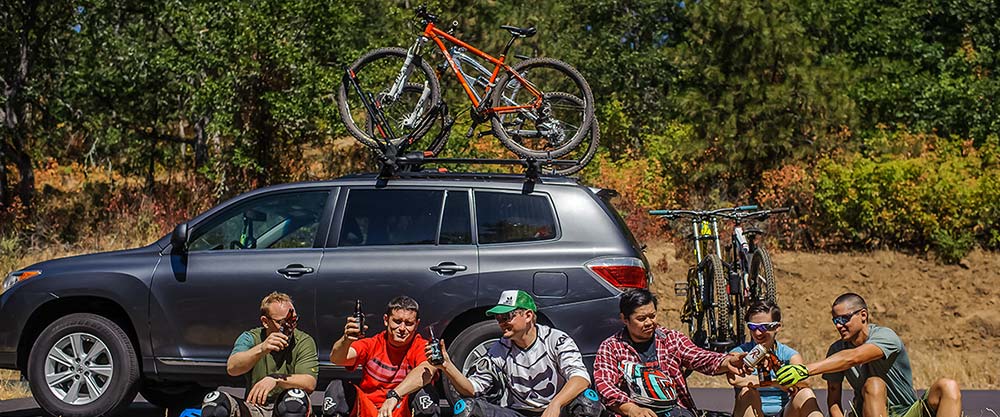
(508, 217)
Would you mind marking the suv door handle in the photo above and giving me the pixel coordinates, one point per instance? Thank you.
(295, 270)
(448, 268)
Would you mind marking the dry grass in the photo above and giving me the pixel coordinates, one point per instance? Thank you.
(11, 385)
(947, 315)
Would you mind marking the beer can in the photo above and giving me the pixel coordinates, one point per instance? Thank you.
(755, 355)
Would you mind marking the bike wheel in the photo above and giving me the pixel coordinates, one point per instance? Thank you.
(551, 128)
(376, 72)
(584, 156)
(430, 140)
(762, 277)
(715, 273)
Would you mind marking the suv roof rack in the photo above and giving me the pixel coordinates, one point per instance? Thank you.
(411, 165)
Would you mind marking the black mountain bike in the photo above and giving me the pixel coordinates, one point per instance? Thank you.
(717, 293)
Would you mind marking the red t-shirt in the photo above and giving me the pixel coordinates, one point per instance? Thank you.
(384, 365)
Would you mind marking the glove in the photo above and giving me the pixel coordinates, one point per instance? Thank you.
(789, 375)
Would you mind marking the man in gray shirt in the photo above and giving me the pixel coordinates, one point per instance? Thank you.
(877, 366)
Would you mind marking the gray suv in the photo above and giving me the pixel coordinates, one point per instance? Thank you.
(90, 331)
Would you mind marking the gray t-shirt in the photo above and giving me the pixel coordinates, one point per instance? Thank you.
(893, 368)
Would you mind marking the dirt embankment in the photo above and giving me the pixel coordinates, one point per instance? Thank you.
(947, 315)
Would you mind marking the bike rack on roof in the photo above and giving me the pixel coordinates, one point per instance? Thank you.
(392, 167)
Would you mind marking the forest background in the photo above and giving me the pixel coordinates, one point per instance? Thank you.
(877, 121)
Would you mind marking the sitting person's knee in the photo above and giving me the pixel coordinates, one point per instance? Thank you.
(292, 403)
(804, 393)
(874, 386)
(747, 392)
(587, 404)
(219, 404)
(335, 401)
(949, 388)
(466, 407)
(425, 403)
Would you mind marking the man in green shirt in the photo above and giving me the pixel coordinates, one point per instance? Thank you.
(877, 366)
(279, 363)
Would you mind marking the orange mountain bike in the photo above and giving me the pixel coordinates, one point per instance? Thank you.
(538, 108)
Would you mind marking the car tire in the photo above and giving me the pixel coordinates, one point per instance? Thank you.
(83, 365)
(476, 339)
(173, 396)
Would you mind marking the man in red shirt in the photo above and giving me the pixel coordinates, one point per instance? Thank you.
(385, 359)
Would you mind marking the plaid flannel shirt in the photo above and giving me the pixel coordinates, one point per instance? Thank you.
(673, 351)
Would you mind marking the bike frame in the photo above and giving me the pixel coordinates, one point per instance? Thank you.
(431, 32)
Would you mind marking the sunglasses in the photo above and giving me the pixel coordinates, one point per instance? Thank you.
(763, 327)
(842, 320)
(505, 317)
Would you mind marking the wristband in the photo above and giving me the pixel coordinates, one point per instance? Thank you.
(393, 394)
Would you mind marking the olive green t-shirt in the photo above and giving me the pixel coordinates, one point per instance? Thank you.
(298, 358)
(893, 367)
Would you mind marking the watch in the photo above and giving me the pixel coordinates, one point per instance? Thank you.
(393, 394)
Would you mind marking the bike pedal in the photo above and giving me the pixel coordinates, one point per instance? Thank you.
(681, 288)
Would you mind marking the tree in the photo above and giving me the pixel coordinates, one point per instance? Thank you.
(33, 35)
(756, 92)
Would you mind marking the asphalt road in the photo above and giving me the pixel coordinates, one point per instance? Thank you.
(974, 403)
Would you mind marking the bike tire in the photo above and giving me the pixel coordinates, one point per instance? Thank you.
(377, 80)
(435, 144)
(588, 154)
(762, 274)
(713, 271)
(564, 131)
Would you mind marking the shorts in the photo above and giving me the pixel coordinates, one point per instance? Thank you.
(919, 408)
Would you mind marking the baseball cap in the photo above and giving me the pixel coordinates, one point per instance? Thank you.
(511, 300)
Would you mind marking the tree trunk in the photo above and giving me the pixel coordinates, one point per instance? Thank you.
(200, 144)
(4, 194)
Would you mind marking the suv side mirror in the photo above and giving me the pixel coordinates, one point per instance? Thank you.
(178, 239)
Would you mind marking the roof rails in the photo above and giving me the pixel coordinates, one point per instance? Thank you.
(414, 162)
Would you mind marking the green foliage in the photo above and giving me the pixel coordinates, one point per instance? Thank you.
(938, 199)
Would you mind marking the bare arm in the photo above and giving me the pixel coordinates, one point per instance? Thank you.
(574, 386)
(302, 381)
(242, 362)
(845, 359)
(342, 353)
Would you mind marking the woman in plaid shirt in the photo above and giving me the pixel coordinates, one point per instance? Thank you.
(657, 355)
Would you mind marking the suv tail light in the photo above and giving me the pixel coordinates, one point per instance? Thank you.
(620, 272)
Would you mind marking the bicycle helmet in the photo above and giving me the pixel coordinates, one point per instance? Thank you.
(649, 387)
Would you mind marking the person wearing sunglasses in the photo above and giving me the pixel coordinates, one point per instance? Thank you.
(876, 364)
(279, 363)
(386, 359)
(638, 371)
(532, 371)
(757, 394)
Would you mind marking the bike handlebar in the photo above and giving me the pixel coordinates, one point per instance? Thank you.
(421, 12)
(734, 213)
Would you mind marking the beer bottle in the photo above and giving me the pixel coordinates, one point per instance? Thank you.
(359, 316)
(436, 357)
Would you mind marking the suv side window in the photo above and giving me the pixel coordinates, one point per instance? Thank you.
(284, 220)
(391, 217)
(508, 217)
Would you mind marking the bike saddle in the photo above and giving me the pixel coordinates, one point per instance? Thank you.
(522, 32)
